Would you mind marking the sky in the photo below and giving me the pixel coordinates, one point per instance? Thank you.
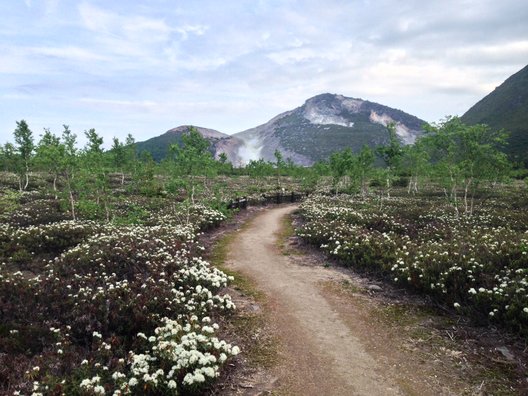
(143, 67)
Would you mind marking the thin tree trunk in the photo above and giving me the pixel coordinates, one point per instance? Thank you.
(466, 188)
(72, 205)
(454, 197)
(70, 194)
(55, 185)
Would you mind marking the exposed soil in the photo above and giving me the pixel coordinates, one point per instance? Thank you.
(338, 333)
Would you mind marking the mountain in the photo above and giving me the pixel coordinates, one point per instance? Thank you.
(312, 132)
(506, 108)
(324, 124)
(220, 142)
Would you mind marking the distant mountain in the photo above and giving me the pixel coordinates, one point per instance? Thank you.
(506, 107)
(220, 142)
(312, 132)
(324, 124)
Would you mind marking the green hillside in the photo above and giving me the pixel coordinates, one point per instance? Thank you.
(159, 146)
(506, 107)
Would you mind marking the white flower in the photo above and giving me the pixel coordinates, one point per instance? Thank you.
(456, 305)
(188, 379)
(208, 371)
(85, 383)
(198, 377)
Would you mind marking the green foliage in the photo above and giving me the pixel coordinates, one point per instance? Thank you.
(94, 142)
(24, 147)
(414, 164)
(9, 201)
(392, 152)
(192, 158)
(259, 168)
(8, 157)
(353, 171)
(466, 157)
(143, 176)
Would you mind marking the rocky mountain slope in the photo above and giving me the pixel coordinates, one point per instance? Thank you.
(506, 107)
(324, 124)
(312, 132)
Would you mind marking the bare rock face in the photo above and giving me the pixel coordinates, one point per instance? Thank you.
(229, 145)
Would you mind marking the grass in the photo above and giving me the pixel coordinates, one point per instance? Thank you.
(287, 230)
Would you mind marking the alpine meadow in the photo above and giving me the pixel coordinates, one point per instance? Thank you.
(316, 243)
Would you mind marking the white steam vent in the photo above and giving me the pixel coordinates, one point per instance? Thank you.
(250, 150)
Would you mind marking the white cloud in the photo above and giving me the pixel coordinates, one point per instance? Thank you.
(324, 53)
(69, 53)
(97, 19)
(127, 105)
(198, 30)
(233, 65)
(485, 54)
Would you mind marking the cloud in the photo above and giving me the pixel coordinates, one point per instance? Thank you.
(232, 65)
(129, 39)
(185, 30)
(96, 19)
(133, 29)
(122, 105)
(491, 54)
(73, 53)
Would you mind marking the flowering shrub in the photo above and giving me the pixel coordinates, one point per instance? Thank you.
(28, 208)
(95, 308)
(477, 264)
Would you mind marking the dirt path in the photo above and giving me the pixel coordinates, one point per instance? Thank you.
(338, 333)
(322, 355)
